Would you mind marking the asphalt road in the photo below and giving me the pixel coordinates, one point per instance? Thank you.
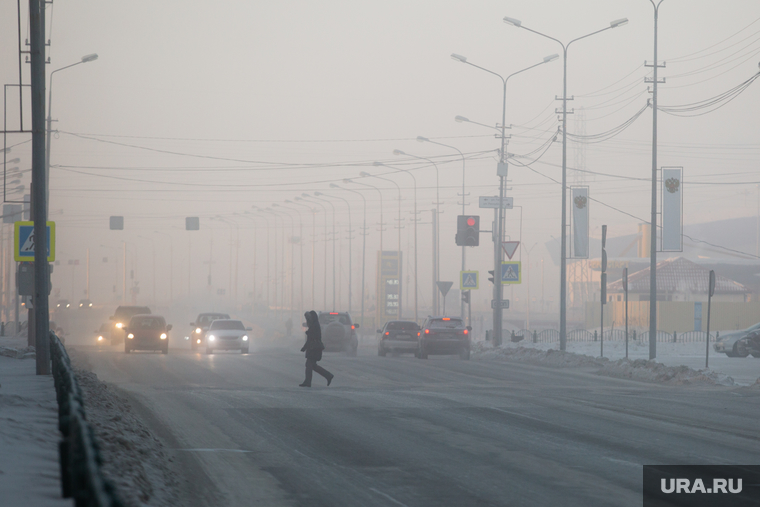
(398, 431)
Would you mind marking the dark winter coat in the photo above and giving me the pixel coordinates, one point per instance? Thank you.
(313, 346)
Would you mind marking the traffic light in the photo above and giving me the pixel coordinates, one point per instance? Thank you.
(466, 297)
(490, 278)
(468, 230)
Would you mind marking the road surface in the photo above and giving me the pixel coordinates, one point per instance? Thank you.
(398, 431)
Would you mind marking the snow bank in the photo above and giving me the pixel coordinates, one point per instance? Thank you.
(637, 369)
(16, 353)
(134, 460)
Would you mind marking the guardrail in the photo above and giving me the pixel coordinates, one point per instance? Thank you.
(81, 476)
(582, 335)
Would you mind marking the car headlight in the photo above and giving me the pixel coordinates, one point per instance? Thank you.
(198, 330)
(245, 338)
(90, 304)
(100, 338)
(81, 305)
(119, 325)
(211, 338)
(67, 305)
(199, 340)
(130, 336)
(163, 336)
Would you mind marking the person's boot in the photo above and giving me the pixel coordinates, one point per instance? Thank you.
(306, 385)
(329, 379)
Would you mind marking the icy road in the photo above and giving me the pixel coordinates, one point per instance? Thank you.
(398, 431)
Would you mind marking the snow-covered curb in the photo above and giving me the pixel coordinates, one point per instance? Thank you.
(637, 369)
(16, 353)
(134, 460)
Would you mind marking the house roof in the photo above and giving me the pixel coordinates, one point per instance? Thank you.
(679, 275)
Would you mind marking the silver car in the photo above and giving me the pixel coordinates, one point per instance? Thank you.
(227, 334)
(727, 342)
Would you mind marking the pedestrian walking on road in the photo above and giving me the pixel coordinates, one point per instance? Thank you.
(313, 348)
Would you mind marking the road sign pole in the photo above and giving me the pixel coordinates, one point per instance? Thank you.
(39, 189)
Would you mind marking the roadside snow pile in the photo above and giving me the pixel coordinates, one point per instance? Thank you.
(652, 371)
(16, 353)
(637, 369)
(133, 459)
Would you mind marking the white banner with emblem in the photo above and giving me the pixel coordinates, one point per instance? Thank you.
(672, 209)
(580, 202)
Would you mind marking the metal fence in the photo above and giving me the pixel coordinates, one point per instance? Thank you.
(584, 335)
(81, 476)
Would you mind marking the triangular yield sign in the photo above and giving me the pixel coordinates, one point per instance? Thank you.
(510, 247)
(444, 287)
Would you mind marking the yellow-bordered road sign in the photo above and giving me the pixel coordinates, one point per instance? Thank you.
(510, 272)
(469, 280)
(23, 242)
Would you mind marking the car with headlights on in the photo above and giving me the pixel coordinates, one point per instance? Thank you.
(729, 342)
(102, 335)
(147, 332)
(121, 318)
(338, 332)
(85, 304)
(62, 304)
(442, 336)
(397, 336)
(227, 334)
(201, 325)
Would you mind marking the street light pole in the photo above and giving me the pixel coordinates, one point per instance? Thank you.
(437, 246)
(335, 238)
(563, 243)
(300, 244)
(324, 208)
(364, 242)
(502, 170)
(348, 206)
(292, 254)
(364, 174)
(171, 265)
(414, 180)
(153, 249)
(313, 242)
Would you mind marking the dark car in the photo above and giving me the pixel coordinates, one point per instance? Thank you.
(338, 332)
(397, 336)
(201, 325)
(121, 318)
(442, 336)
(147, 332)
(85, 304)
(63, 304)
(101, 334)
(729, 343)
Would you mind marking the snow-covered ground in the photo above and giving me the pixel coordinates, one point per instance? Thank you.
(29, 469)
(675, 362)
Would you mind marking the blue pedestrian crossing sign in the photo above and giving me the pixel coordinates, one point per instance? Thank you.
(23, 240)
(510, 272)
(468, 280)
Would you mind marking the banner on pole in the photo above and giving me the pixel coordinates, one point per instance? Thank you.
(672, 209)
(580, 203)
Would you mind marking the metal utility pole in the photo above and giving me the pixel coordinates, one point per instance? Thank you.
(350, 265)
(653, 225)
(563, 243)
(364, 243)
(39, 189)
(324, 208)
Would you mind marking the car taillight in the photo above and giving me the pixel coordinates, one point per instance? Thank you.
(465, 331)
(418, 333)
(388, 333)
(352, 326)
(427, 331)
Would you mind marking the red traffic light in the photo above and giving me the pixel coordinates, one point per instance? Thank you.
(470, 221)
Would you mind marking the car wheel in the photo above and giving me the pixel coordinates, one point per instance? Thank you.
(740, 349)
(209, 351)
(244, 351)
(381, 352)
(464, 354)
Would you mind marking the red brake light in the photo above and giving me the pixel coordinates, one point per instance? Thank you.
(387, 333)
(418, 333)
(427, 331)
(446, 318)
(465, 331)
(352, 326)
(333, 313)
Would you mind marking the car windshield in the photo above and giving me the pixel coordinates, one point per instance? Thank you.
(228, 324)
(446, 324)
(153, 323)
(209, 317)
(126, 312)
(326, 318)
(401, 326)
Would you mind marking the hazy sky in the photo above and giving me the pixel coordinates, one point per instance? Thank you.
(197, 110)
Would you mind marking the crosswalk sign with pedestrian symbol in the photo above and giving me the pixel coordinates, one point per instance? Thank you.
(510, 272)
(468, 280)
(24, 242)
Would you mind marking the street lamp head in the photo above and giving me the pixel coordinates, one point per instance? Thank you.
(305, 195)
(333, 185)
(13, 161)
(318, 193)
(619, 22)
(364, 174)
(398, 152)
(275, 205)
(458, 58)
(347, 181)
(89, 58)
(299, 199)
(460, 119)
(551, 58)
(421, 139)
(377, 164)
(512, 21)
